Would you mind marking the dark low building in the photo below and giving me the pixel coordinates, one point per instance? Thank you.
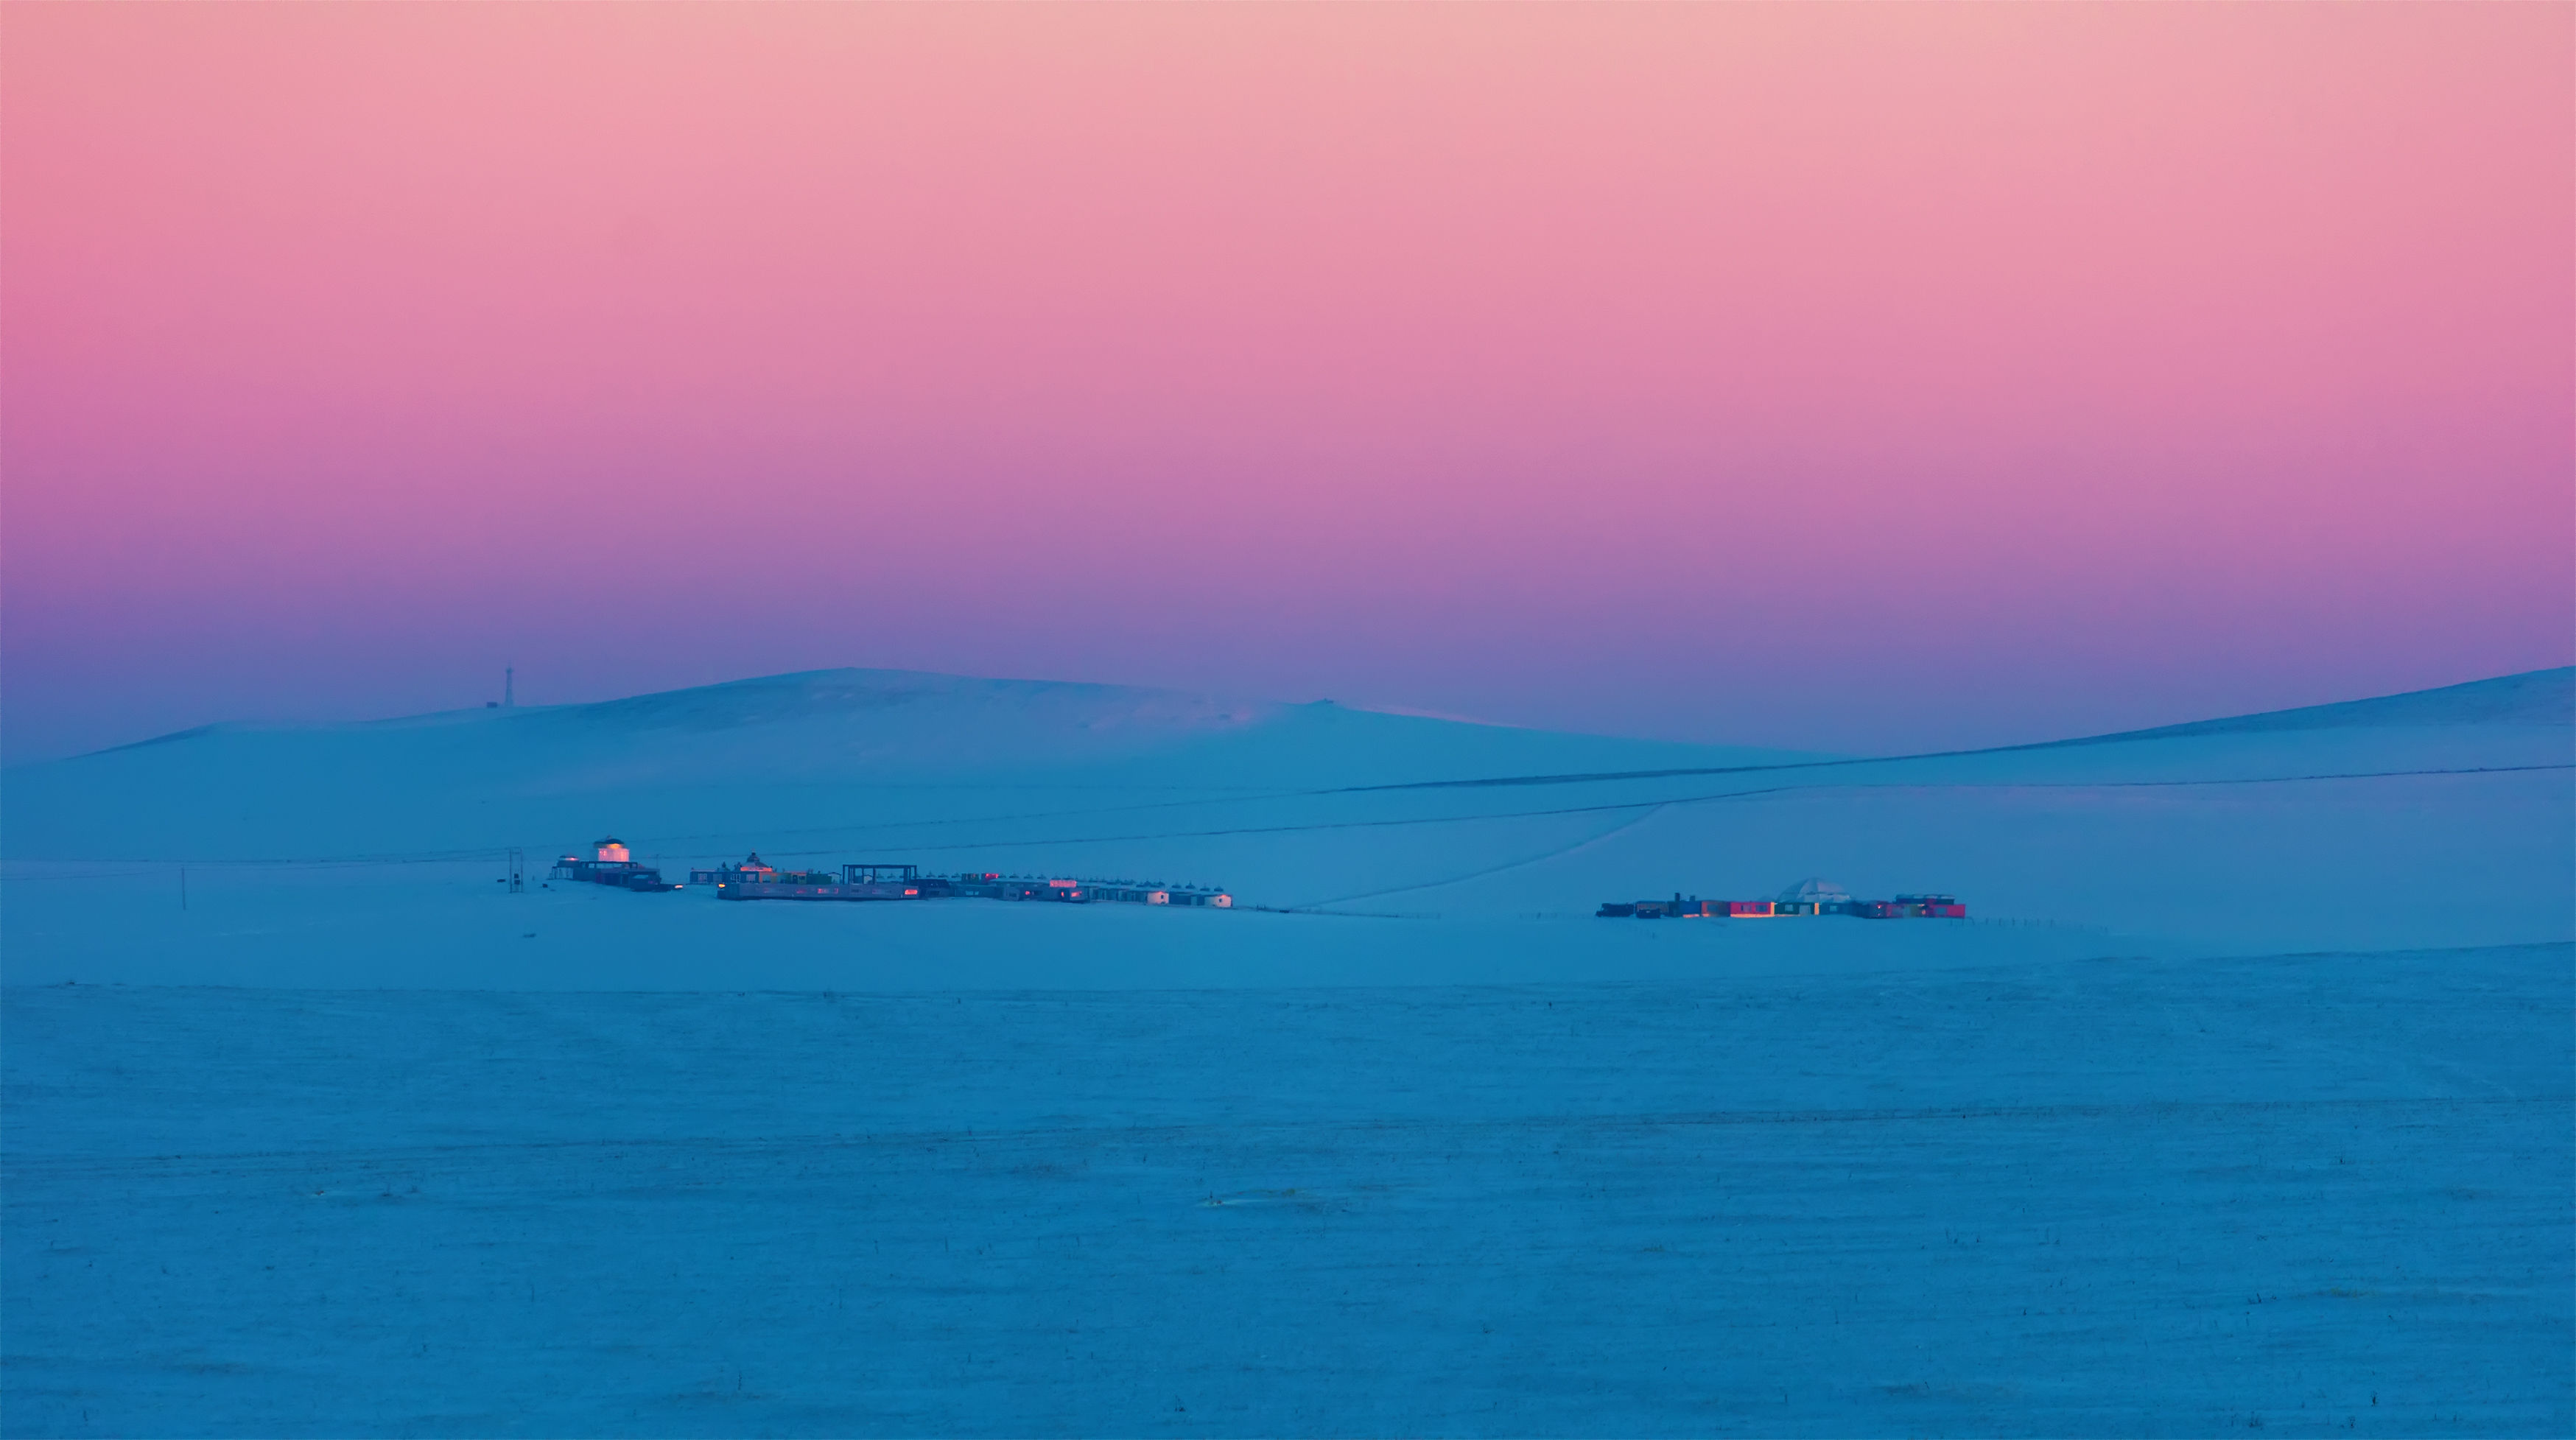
(876, 880)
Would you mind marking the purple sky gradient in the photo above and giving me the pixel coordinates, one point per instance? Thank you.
(1849, 378)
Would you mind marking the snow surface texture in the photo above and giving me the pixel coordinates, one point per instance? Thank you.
(350, 1140)
(2299, 1195)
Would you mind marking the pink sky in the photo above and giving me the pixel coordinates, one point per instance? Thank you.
(1855, 376)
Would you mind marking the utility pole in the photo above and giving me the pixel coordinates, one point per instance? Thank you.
(509, 682)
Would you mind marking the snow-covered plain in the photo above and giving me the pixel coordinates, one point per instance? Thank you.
(2244, 1103)
(2411, 822)
(2120, 1196)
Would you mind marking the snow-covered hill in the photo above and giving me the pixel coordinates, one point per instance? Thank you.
(2444, 817)
(740, 761)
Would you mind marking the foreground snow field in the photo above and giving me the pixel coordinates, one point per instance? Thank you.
(2244, 1101)
(2304, 1194)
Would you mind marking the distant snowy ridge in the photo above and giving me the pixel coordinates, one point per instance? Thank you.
(2543, 699)
(2534, 697)
(887, 698)
(752, 757)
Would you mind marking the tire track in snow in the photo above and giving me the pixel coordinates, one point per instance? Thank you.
(1723, 795)
(1577, 848)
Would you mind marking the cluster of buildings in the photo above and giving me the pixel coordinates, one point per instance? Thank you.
(1807, 897)
(613, 865)
(887, 880)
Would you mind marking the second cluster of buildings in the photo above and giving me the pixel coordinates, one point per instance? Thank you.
(1807, 897)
